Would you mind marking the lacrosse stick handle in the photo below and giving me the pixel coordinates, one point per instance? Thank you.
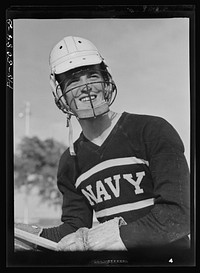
(35, 239)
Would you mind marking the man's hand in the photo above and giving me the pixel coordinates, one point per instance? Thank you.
(74, 241)
(105, 236)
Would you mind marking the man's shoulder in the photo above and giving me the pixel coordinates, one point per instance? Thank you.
(64, 159)
(151, 127)
(144, 119)
(146, 126)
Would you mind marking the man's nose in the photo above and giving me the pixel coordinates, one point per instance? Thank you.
(87, 88)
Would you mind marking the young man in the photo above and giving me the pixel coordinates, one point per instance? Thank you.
(129, 169)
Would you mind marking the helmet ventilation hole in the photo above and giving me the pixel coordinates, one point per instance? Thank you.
(79, 42)
(60, 47)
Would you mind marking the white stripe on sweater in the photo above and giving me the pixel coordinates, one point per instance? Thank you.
(108, 164)
(125, 207)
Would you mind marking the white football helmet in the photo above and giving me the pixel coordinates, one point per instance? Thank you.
(69, 54)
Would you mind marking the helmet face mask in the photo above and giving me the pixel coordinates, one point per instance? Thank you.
(90, 99)
(70, 59)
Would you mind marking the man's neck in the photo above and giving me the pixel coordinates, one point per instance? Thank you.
(97, 129)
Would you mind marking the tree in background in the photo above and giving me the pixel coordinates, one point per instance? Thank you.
(35, 165)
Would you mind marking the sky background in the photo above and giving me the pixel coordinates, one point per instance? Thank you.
(148, 58)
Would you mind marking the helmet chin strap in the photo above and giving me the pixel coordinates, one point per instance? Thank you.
(88, 113)
(83, 114)
(69, 125)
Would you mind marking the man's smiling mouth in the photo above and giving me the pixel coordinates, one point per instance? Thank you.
(87, 98)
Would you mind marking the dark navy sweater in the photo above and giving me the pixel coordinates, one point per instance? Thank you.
(139, 173)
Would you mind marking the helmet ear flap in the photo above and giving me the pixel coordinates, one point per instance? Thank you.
(110, 91)
(58, 95)
(61, 103)
(107, 90)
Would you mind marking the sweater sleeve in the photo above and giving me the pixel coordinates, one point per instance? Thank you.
(168, 219)
(76, 213)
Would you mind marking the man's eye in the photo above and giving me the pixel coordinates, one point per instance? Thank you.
(94, 75)
(72, 81)
(75, 79)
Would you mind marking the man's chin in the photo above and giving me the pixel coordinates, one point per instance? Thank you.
(92, 112)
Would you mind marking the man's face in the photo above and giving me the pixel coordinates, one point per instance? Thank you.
(84, 89)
